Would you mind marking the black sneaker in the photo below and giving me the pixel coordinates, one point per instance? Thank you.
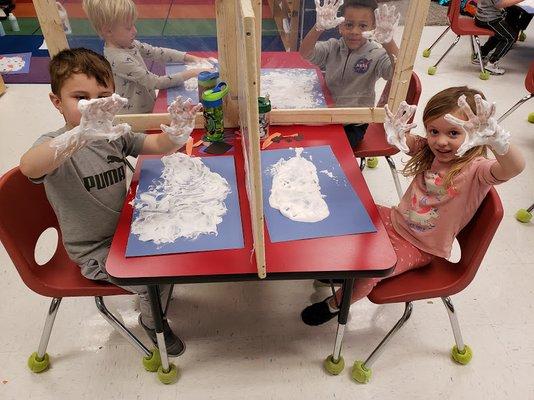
(175, 346)
(317, 313)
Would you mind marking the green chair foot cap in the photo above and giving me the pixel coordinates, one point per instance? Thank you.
(462, 358)
(152, 362)
(426, 53)
(372, 162)
(169, 377)
(484, 75)
(38, 365)
(523, 216)
(531, 118)
(522, 37)
(360, 373)
(332, 367)
(432, 70)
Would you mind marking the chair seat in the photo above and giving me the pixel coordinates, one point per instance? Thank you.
(437, 279)
(375, 144)
(466, 26)
(62, 278)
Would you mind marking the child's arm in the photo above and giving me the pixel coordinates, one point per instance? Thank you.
(96, 123)
(175, 136)
(506, 3)
(508, 165)
(326, 18)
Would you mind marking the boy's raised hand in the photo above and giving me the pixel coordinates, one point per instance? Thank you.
(183, 113)
(480, 128)
(396, 126)
(327, 14)
(96, 123)
(386, 21)
(97, 118)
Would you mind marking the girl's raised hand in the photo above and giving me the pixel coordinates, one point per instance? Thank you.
(327, 14)
(480, 128)
(183, 114)
(387, 18)
(396, 126)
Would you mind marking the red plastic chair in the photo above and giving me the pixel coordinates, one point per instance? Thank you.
(24, 215)
(461, 26)
(529, 85)
(440, 278)
(375, 144)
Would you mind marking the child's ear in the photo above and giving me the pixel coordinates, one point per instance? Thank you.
(56, 101)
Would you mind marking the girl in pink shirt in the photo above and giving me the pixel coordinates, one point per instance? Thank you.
(451, 178)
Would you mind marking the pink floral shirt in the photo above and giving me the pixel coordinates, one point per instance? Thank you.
(430, 216)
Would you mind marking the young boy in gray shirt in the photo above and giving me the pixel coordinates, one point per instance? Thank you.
(114, 21)
(82, 167)
(353, 63)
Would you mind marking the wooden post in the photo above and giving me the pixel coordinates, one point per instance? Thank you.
(227, 44)
(2, 86)
(287, 10)
(248, 112)
(51, 25)
(257, 8)
(413, 28)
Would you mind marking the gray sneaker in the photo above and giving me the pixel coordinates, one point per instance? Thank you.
(175, 346)
(494, 68)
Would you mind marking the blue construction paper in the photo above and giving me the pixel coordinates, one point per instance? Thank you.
(26, 57)
(230, 232)
(318, 95)
(347, 213)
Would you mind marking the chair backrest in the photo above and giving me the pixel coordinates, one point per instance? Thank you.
(529, 79)
(442, 278)
(412, 96)
(24, 215)
(453, 13)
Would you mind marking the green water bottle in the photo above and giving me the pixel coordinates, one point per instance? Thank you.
(212, 101)
(206, 80)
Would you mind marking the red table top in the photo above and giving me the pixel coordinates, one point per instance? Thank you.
(367, 254)
(269, 59)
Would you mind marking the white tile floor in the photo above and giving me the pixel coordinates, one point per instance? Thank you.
(246, 341)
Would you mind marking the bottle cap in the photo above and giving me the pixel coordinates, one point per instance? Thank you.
(213, 97)
(206, 77)
(264, 105)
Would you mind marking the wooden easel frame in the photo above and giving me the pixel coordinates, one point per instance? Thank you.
(239, 42)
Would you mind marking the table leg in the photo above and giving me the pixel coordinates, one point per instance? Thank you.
(157, 314)
(342, 317)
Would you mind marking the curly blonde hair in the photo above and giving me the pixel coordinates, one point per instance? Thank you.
(442, 103)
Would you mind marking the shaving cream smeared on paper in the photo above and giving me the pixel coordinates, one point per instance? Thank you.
(296, 191)
(188, 201)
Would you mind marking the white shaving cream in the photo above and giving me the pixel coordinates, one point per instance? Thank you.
(296, 191)
(187, 201)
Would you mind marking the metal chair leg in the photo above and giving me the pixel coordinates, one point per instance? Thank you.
(363, 163)
(380, 348)
(476, 43)
(447, 52)
(168, 301)
(119, 327)
(47, 330)
(454, 324)
(439, 38)
(515, 106)
(128, 164)
(395, 175)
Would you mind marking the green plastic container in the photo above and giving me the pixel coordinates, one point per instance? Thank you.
(264, 112)
(212, 100)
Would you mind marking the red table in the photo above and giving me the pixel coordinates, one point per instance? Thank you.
(347, 257)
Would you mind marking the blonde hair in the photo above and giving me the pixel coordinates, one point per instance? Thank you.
(442, 103)
(105, 13)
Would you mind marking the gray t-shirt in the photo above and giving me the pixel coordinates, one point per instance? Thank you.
(486, 10)
(132, 78)
(351, 75)
(87, 193)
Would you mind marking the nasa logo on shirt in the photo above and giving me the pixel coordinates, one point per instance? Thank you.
(362, 65)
